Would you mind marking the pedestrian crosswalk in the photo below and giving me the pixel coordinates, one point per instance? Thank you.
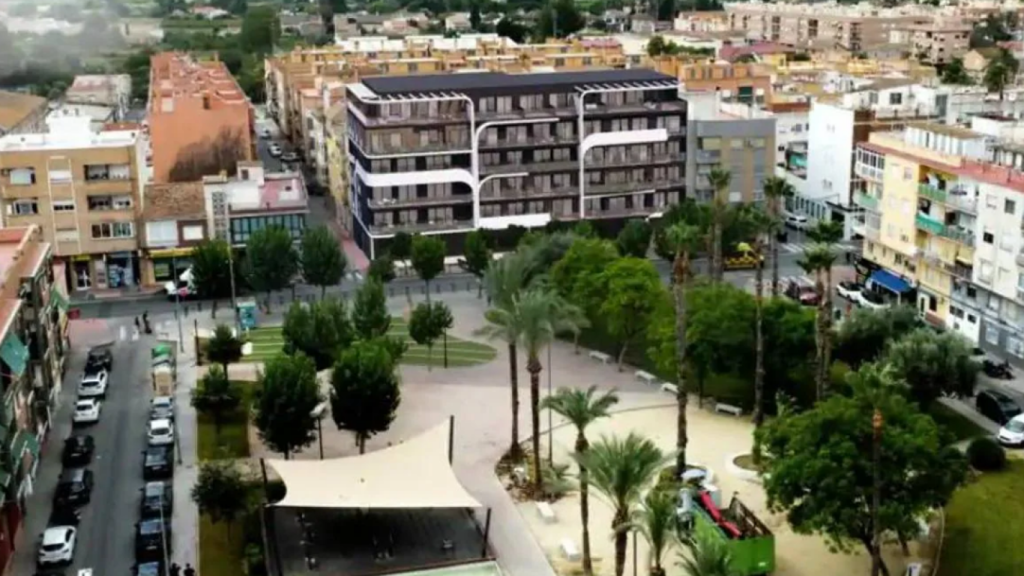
(801, 247)
(784, 281)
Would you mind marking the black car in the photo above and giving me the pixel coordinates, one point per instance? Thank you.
(157, 496)
(78, 450)
(158, 463)
(151, 536)
(996, 406)
(64, 516)
(99, 359)
(74, 488)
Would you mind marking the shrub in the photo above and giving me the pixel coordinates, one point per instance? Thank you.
(555, 480)
(986, 454)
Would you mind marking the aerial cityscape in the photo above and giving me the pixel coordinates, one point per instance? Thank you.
(511, 288)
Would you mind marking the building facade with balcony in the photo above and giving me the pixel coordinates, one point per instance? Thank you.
(237, 207)
(82, 189)
(448, 154)
(174, 221)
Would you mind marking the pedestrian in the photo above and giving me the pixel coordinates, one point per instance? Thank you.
(136, 323)
(189, 570)
(175, 569)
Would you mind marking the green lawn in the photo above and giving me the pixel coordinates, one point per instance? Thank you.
(983, 522)
(220, 555)
(959, 425)
(233, 441)
(461, 353)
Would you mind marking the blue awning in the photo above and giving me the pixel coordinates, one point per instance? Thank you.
(890, 281)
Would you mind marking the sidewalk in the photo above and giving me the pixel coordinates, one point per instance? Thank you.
(132, 293)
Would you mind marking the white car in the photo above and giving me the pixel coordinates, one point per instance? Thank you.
(162, 407)
(87, 411)
(1012, 433)
(871, 300)
(849, 290)
(160, 433)
(57, 545)
(796, 221)
(93, 385)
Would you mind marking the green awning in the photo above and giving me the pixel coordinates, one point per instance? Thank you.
(23, 442)
(58, 299)
(14, 353)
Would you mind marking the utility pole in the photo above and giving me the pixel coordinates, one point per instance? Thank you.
(177, 304)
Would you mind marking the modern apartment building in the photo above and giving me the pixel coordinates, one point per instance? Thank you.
(447, 154)
(82, 189)
(196, 112)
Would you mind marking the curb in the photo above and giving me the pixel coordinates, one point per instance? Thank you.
(747, 475)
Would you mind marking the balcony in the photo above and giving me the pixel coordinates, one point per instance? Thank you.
(929, 224)
(868, 172)
(1020, 259)
(866, 201)
(963, 272)
(931, 192)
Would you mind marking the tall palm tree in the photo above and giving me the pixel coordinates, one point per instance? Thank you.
(818, 258)
(719, 179)
(776, 190)
(765, 227)
(827, 233)
(620, 470)
(504, 281)
(656, 519)
(706, 557)
(684, 239)
(582, 408)
(542, 315)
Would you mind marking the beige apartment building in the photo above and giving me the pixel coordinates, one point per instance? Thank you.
(82, 189)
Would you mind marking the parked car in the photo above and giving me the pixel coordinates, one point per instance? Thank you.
(74, 488)
(1012, 433)
(182, 291)
(99, 359)
(161, 407)
(849, 290)
(57, 545)
(805, 295)
(996, 406)
(87, 411)
(93, 385)
(289, 157)
(869, 299)
(151, 535)
(157, 463)
(157, 496)
(64, 516)
(78, 450)
(160, 433)
(796, 221)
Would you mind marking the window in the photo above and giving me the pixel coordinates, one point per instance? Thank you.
(63, 205)
(736, 143)
(23, 208)
(1009, 206)
(23, 176)
(992, 335)
(70, 235)
(710, 143)
(122, 202)
(1015, 346)
(113, 230)
(1006, 242)
(192, 233)
(987, 237)
(895, 99)
(100, 203)
(991, 201)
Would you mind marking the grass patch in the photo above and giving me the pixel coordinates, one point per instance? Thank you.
(220, 555)
(961, 427)
(983, 523)
(233, 441)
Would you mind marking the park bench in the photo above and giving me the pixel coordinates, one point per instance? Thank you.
(569, 550)
(724, 408)
(546, 512)
(647, 377)
(604, 358)
(670, 388)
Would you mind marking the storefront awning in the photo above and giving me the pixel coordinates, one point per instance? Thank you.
(890, 281)
(14, 353)
(23, 442)
(413, 474)
(58, 299)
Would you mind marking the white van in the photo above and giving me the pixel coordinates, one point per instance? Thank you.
(796, 221)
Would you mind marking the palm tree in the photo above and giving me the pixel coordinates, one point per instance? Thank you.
(504, 280)
(764, 226)
(707, 557)
(816, 260)
(620, 469)
(656, 520)
(542, 314)
(719, 179)
(684, 238)
(581, 408)
(776, 190)
(827, 233)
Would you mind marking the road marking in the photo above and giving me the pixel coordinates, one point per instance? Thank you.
(123, 333)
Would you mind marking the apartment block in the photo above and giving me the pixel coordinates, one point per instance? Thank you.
(447, 154)
(750, 82)
(82, 189)
(938, 42)
(195, 107)
(255, 199)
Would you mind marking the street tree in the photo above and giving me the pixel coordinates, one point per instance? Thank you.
(578, 275)
(621, 469)
(822, 465)
(633, 291)
(581, 408)
(826, 234)
(400, 248)
(720, 179)
(933, 364)
(223, 347)
(815, 261)
(215, 397)
(289, 393)
(765, 227)
(427, 259)
(370, 317)
(656, 519)
(634, 239)
(221, 492)
(323, 263)
(865, 333)
(271, 261)
(320, 330)
(477, 256)
(428, 322)
(776, 190)
(211, 271)
(382, 268)
(364, 390)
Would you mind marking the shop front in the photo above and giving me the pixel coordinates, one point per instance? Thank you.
(120, 269)
(165, 265)
(81, 272)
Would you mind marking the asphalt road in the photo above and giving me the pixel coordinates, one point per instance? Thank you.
(106, 532)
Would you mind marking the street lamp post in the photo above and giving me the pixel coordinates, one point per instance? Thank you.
(551, 440)
(318, 413)
(177, 304)
(876, 455)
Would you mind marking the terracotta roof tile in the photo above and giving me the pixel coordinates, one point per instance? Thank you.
(15, 107)
(174, 201)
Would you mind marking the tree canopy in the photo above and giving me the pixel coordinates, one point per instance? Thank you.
(320, 330)
(633, 292)
(211, 272)
(323, 263)
(370, 316)
(635, 239)
(270, 259)
(284, 407)
(364, 390)
(933, 364)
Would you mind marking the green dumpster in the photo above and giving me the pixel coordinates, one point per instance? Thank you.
(751, 544)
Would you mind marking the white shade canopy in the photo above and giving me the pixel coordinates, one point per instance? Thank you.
(413, 474)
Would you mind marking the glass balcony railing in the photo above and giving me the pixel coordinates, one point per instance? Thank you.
(929, 191)
(866, 201)
(929, 224)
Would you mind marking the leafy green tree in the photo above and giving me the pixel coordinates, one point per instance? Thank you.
(320, 330)
(656, 519)
(577, 276)
(635, 239)
(633, 291)
(223, 347)
(370, 316)
(933, 364)
(289, 393)
(364, 390)
(621, 469)
(261, 29)
(776, 190)
(400, 248)
(582, 408)
(271, 261)
(542, 251)
(820, 472)
(720, 179)
(865, 333)
(1000, 72)
(323, 263)
(215, 397)
(382, 268)
(955, 73)
(211, 271)
(428, 259)
(428, 322)
(584, 229)
(705, 556)
(220, 492)
(477, 257)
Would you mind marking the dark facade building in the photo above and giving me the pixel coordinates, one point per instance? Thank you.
(447, 154)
